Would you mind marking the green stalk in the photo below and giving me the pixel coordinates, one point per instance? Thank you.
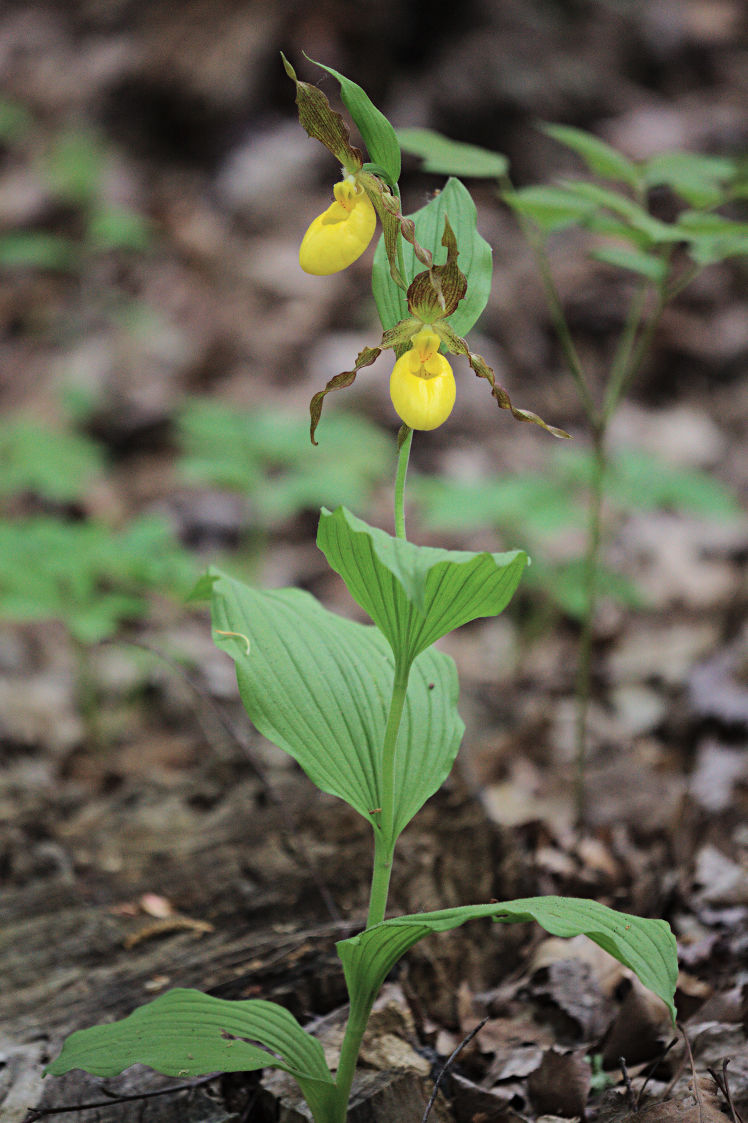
(641, 349)
(620, 368)
(584, 659)
(573, 362)
(536, 242)
(402, 293)
(349, 1050)
(626, 361)
(384, 840)
(403, 457)
(384, 846)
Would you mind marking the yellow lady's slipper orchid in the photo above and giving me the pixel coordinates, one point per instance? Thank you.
(422, 386)
(339, 236)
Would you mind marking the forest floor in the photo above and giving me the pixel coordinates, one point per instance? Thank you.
(149, 837)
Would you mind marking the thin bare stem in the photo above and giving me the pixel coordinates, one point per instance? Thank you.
(35, 1113)
(450, 1061)
(584, 658)
(536, 242)
(620, 367)
(384, 835)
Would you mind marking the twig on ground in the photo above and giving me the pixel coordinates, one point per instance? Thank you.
(633, 1098)
(723, 1085)
(35, 1113)
(288, 824)
(450, 1060)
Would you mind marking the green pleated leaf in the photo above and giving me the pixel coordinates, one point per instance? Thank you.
(187, 1033)
(319, 687)
(550, 208)
(645, 264)
(647, 947)
(452, 157)
(600, 158)
(377, 132)
(415, 594)
(475, 258)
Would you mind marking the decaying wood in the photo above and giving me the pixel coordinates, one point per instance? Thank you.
(76, 947)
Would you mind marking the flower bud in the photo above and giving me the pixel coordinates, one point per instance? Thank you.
(422, 386)
(340, 235)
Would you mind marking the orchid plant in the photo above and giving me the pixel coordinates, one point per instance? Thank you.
(368, 712)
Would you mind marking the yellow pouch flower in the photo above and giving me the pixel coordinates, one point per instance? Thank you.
(422, 386)
(339, 236)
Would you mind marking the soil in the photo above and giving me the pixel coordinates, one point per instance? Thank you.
(149, 837)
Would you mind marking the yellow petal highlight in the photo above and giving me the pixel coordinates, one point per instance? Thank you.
(422, 386)
(340, 235)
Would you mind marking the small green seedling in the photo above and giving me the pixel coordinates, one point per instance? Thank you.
(265, 453)
(86, 574)
(73, 170)
(368, 711)
(62, 566)
(52, 464)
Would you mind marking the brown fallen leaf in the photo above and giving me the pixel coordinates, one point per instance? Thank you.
(639, 1029)
(166, 927)
(700, 1106)
(561, 1084)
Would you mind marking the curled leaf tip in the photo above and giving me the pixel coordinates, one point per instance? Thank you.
(322, 123)
(457, 346)
(340, 382)
(236, 635)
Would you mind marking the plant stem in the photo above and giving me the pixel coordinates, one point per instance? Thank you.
(384, 841)
(401, 293)
(402, 470)
(584, 658)
(349, 1050)
(626, 361)
(384, 846)
(536, 242)
(641, 348)
(87, 694)
(573, 362)
(620, 368)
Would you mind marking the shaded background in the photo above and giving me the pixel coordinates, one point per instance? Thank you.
(154, 187)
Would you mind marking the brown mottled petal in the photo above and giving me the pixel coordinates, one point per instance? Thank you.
(322, 123)
(435, 293)
(388, 209)
(340, 382)
(457, 346)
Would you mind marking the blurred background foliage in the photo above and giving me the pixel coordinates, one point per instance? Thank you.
(160, 344)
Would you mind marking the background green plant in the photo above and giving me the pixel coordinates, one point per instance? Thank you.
(612, 206)
(538, 507)
(72, 167)
(58, 564)
(266, 453)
